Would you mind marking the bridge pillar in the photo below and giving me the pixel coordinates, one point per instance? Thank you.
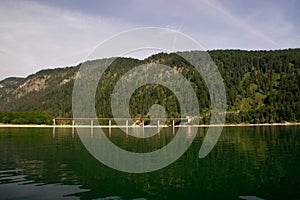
(126, 127)
(158, 127)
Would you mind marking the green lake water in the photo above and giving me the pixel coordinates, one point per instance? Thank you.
(246, 163)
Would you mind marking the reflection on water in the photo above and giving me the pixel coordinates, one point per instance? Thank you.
(14, 185)
(246, 163)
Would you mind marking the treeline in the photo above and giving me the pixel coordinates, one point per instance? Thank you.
(25, 118)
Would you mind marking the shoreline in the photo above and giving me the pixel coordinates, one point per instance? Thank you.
(153, 126)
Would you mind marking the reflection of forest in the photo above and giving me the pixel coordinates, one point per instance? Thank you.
(16, 186)
(258, 161)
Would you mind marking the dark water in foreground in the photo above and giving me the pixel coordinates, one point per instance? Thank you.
(246, 163)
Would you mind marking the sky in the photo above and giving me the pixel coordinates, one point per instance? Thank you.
(43, 34)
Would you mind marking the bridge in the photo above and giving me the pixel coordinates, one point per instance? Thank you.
(137, 121)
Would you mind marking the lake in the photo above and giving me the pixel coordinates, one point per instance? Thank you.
(246, 163)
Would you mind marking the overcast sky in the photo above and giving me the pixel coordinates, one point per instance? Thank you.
(43, 34)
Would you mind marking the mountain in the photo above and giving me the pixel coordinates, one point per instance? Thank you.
(48, 90)
(8, 85)
(261, 87)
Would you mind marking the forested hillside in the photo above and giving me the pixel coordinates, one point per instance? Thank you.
(261, 87)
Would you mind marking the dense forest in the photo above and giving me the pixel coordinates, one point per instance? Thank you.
(261, 87)
(26, 118)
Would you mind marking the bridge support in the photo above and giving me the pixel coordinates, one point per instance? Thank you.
(158, 126)
(126, 127)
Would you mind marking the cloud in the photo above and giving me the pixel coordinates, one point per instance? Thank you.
(45, 36)
(274, 22)
(237, 22)
(35, 35)
(260, 26)
(223, 24)
(7, 61)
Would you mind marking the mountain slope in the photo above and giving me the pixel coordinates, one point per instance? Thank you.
(8, 85)
(261, 86)
(47, 90)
